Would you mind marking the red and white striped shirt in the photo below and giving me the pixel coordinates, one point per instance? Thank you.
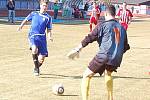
(124, 15)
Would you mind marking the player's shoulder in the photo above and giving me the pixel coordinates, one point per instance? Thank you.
(110, 22)
(128, 10)
(34, 12)
(101, 23)
(46, 14)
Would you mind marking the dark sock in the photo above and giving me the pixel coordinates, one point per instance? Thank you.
(39, 64)
(35, 60)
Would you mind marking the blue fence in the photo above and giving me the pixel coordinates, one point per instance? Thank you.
(21, 4)
(24, 4)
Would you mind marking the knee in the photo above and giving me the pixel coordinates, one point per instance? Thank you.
(108, 77)
(41, 60)
(85, 76)
(34, 50)
(88, 75)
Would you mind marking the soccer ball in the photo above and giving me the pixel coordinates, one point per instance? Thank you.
(58, 89)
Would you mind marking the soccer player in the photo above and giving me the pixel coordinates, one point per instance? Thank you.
(40, 21)
(125, 16)
(113, 43)
(94, 16)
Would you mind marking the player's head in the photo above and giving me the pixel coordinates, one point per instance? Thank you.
(110, 11)
(124, 5)
(44, 5)
(94, 4)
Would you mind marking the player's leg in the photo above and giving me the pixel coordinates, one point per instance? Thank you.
(90, 27)
(95, 66)
(42, 51)
(35, 59)
(41, 59)
(85, 84)
(95, 22)
(34, 50)
(91, 22)
(97, 16)
(109, 84)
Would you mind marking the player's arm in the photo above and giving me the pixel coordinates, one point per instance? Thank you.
(93, 36)
(49, 34)
(28, 18)
(130, 17)
(49, 29)
(22, 24)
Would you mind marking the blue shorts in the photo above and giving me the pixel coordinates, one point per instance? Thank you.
(40, 43)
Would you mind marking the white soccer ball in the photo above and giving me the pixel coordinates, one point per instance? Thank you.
(58, 89)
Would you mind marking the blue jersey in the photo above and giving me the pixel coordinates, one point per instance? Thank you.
(112, 40)
(37, 37)
(39, 23)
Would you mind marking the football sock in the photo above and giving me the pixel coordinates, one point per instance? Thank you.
(90, 27)
(35, 60)
(40, 64)
(85, 85)
(109, 86)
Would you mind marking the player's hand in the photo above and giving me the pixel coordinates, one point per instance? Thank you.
(19, 28)
(74, 53)
(50, 38)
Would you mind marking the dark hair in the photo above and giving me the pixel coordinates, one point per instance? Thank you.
(111, 9)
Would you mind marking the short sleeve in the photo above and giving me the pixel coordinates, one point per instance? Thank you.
(118, 14)
(29, 17)
(49, 25)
